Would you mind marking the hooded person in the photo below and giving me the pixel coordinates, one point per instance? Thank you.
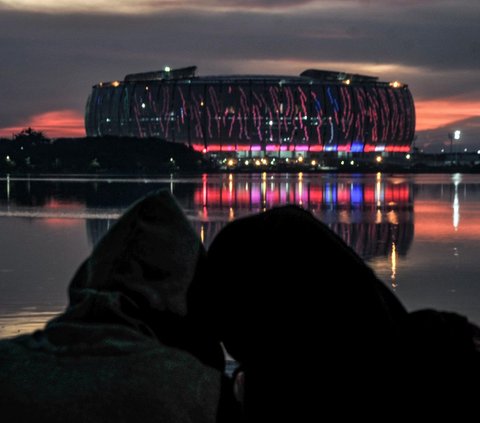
(314, 331)
(130, 346)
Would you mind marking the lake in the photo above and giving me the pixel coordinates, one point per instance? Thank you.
(419, 232)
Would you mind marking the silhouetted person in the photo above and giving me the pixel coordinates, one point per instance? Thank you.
(316, 333)
(129, 347)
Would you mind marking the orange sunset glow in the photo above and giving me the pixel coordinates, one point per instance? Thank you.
(54, 124)
(433, 114)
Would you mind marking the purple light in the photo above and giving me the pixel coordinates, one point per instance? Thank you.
(255, 148)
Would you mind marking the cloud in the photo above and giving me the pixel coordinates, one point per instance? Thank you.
(54, 124)
(144, 6)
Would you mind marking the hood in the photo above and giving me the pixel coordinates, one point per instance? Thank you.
(141, 277)
(283, 284)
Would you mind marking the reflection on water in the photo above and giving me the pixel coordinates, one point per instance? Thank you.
(24, 321)
(404, 225)
(372, 215)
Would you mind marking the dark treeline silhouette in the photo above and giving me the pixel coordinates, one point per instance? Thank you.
(31, 152)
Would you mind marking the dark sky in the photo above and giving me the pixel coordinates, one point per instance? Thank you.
(53, 51)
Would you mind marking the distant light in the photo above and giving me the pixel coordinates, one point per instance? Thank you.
(246, 162)
(202, 103)
(230, 162)
(314, 162)
(270, 122)
(478, 151)
(456, 134)
(167, 69)
(347, 82)
(352, 162)
(442, 150)
(465, 150)
(300, 159)
(144, 105)
(204, 150)
(342, 162)
(408, 156)
(396, 84)
(257, 162)
(378, 159)
(115, 83)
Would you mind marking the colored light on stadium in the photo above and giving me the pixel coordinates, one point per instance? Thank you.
(318, 111)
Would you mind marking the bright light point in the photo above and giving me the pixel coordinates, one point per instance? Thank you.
(378, 159)
(257, 162)
(230, 162)
(456, 134)
(314, 162)
(395, 84)
(115, 83)
(465, 150)
(246, 162)
(442, 150)
(342, 162)
(352, 162)
(300, 159)
(167, 69)
(144, 105)
(270, 122)
(204, 150)
(408, 156)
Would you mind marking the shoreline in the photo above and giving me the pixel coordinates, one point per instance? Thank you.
(212, 171)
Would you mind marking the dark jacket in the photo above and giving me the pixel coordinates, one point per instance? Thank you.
(129, 347)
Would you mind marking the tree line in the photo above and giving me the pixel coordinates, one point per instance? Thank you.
(30, 151)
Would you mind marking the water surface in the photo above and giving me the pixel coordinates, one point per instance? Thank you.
(420, 233)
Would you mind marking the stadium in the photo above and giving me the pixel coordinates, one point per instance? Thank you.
(257, 115)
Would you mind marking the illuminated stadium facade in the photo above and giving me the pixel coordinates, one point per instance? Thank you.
(256, 115)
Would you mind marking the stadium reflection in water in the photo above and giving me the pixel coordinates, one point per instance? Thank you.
(373, 215)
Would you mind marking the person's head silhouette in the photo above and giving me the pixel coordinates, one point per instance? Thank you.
(292, 302)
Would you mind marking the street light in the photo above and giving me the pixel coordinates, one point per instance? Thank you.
(455, 135)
